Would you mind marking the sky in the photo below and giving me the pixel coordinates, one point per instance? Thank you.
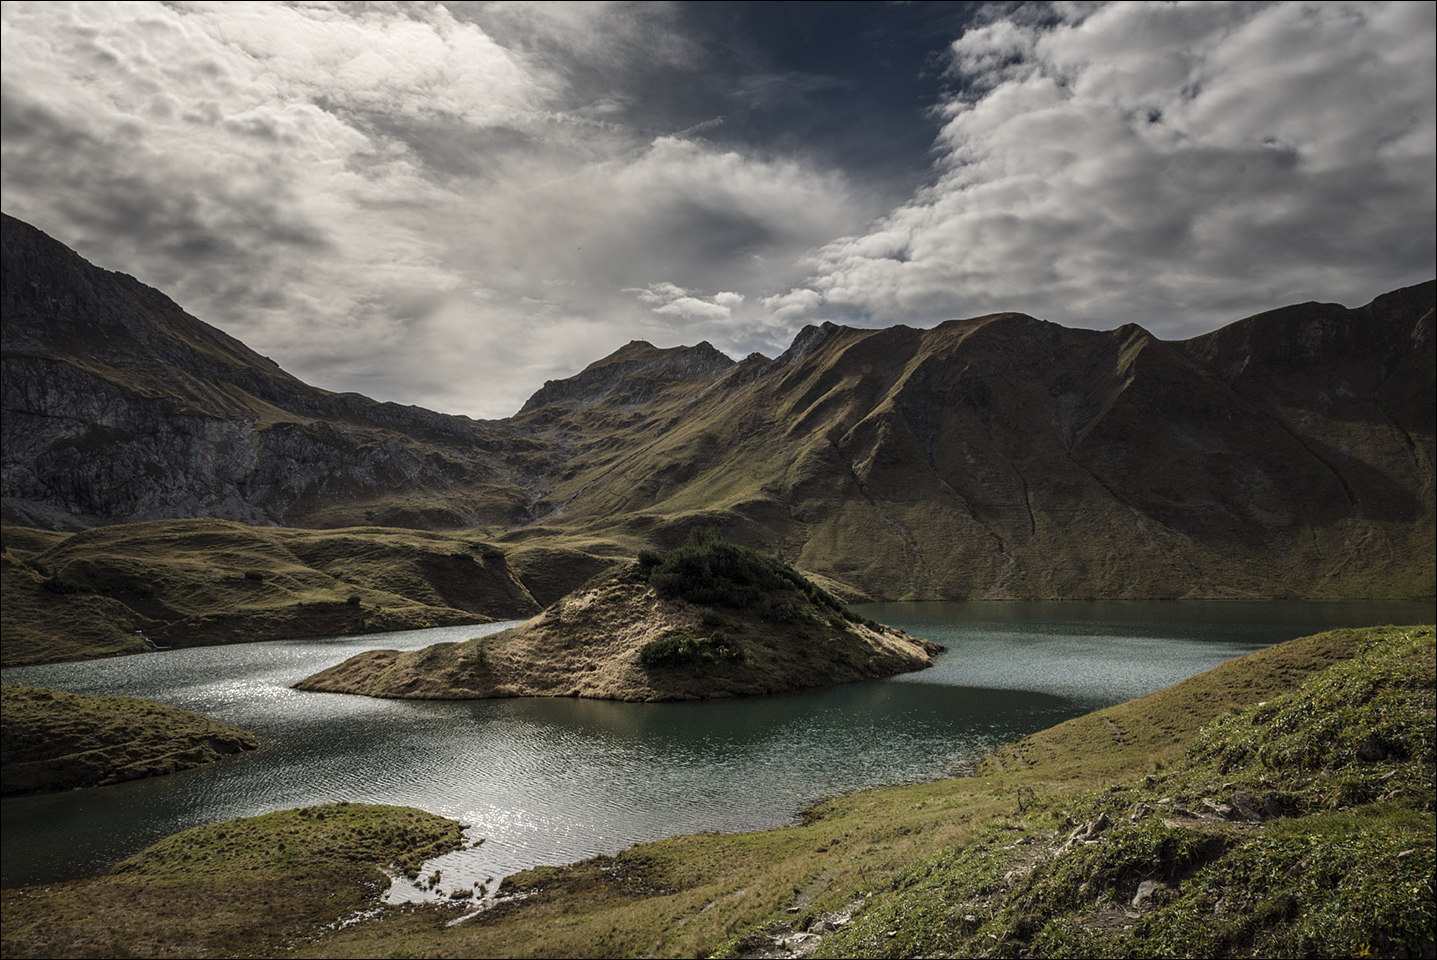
(447, 204)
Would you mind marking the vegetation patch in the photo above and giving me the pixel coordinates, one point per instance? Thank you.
(710, 571)
(1300, 826)
(59, 741)
(677, 650)
(258, 886)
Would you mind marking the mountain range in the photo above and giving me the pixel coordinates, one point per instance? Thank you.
(1288, 454)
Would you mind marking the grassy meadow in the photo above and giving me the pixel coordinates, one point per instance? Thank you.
(254, 887)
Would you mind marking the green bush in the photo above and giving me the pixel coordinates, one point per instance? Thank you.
(710, 572)
(676, 650)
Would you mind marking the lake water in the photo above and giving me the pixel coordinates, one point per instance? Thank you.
(550, 781)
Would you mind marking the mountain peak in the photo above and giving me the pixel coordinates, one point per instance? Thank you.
(631, 372)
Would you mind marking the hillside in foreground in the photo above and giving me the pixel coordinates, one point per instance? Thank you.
(1278, 805)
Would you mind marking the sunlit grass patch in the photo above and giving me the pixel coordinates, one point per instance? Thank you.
(258, 886)
(1282, 831)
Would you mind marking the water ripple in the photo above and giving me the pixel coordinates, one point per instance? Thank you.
(552, 781)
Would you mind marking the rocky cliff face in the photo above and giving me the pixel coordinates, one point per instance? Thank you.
(120, 407)
(1288, 454)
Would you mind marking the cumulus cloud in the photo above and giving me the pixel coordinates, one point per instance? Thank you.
(447, 204)
(670, 300)
(386, 198)
(1176, 166)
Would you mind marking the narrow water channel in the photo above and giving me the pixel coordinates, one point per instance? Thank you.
(549, 781)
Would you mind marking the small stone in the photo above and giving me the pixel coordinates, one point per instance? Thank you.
(1217, 808)
(1246, 806)
(1371, 749)
(1151, 893)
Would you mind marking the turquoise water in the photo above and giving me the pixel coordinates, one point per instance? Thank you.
(549, 781)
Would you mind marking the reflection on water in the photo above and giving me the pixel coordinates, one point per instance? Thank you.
(555, 780)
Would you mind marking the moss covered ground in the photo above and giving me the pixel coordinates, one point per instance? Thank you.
(1299, 826)
(254, 887)
(51, 740)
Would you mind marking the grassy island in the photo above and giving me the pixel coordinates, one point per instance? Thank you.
(59, 741)
(709, 619)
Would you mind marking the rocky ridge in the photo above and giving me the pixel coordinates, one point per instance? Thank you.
(1289, 454)
(120, 407)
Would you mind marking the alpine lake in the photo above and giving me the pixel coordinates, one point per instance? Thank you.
(552, 781)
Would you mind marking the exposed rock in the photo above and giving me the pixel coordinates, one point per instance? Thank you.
(1245, 806)
(1216, 809)
(120, 407)
(1152, 893)
(1090, 832)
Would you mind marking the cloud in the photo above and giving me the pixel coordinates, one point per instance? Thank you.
(218, 150)
(447, 204)
(1177, 166)
(385, 197)
(670, 300)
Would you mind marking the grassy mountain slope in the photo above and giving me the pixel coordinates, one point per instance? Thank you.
(1289, 454)
(1005, 456)
(1298, 826)
(197, 582)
